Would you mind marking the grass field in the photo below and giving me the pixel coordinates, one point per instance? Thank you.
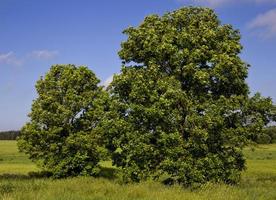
(258, 182)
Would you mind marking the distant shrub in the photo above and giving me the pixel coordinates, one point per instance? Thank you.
(9, 135)
(271, 132)
(264, 139)
(268, 136)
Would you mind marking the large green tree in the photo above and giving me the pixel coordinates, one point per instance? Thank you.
(181, 106)
(63, 135)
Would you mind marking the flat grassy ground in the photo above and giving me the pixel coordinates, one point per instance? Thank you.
(258, 182)
(13, 162)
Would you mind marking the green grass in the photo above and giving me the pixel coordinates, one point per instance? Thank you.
(11, 161)
(258, 182)
(261, 162)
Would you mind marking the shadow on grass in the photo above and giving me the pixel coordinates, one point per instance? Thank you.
(105, 172)
(30, 175)
(108, 173)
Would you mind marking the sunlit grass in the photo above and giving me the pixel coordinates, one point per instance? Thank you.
(261, 161)
(13, 162)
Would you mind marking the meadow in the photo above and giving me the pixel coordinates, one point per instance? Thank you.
(17, 181)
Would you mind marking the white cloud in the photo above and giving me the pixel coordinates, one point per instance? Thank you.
(265, 24)
(107, 82)
(10, 59)
(44, 54)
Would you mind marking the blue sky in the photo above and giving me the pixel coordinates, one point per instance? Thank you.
(34, 34)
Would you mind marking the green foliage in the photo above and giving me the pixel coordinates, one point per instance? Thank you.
(180, 110)
(271, 132)
(63, 135)
(263, 139)
(180, 107)
(268, 136)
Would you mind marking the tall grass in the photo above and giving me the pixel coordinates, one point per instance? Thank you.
(258, 182)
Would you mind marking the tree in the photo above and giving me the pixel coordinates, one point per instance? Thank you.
(9, 135)
(63, 135)
(269, 136)
(181, 106)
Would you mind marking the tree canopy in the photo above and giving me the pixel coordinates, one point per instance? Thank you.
(179, 111)
(63, 134)
(181, 105)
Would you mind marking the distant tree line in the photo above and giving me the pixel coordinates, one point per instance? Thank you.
(268, 136)
(9, 135)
